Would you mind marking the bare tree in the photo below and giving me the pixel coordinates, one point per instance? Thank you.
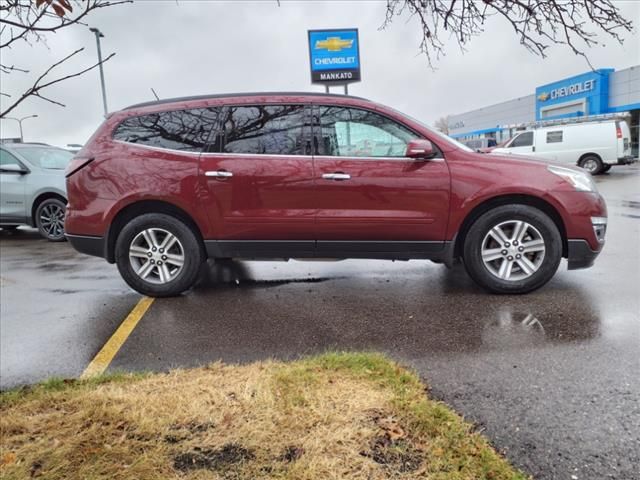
(537, 23)
(442, 125)
(31, 21)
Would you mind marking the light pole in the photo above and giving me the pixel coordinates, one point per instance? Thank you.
(99, 35)
(20, 120)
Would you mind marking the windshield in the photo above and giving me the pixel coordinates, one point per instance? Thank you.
(435, 132)
(47, 157)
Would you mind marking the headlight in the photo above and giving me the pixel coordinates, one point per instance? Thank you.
(580, 181)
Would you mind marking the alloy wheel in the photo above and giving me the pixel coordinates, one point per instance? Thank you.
(156, 256)
(52, 220)
(513, 250)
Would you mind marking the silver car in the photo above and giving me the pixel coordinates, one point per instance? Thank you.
(32, 188)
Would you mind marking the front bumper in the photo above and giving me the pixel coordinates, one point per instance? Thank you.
(580, 255)
(95, 246)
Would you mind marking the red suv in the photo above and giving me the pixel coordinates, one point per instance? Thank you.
(163, 185)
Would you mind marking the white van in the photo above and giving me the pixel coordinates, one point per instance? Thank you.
(593, 145)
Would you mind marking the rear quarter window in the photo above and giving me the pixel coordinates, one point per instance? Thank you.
(184, 130)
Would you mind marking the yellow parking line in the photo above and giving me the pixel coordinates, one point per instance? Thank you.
(102, 360)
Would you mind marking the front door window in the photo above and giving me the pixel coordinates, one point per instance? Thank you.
(525, 139)
(351, 132)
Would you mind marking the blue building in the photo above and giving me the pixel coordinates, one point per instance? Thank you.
(592, 93)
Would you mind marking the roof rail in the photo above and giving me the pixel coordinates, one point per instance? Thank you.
(568, 121)
(228, 95)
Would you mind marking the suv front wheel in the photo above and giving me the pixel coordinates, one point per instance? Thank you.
(512, 249)
(158, 255)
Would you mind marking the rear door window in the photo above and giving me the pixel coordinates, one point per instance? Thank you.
(265, 130)
(184, 130)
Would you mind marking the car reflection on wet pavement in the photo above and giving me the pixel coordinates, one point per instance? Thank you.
(552, 377)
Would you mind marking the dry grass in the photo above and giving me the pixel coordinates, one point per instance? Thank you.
(336, 416)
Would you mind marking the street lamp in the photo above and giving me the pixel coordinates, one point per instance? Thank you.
(20, 120)
(99, 35)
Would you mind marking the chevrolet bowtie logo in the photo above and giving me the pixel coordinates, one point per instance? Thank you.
(543, 97)
(333, 44)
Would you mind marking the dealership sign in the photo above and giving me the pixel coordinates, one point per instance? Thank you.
(584, 94)
(334, 56)
(574, 89)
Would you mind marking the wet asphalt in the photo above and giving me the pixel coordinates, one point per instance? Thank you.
(552, 378)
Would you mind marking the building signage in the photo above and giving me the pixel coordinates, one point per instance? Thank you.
(334, 56)
(569, 90)
(585, 94)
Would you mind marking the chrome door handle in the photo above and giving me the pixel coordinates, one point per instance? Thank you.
(219, 174)
(336, 176)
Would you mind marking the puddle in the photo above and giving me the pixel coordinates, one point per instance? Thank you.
(277, 283)
(237, 274)
(56, 267)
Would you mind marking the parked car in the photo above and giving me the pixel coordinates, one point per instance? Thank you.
(32, 187)
(163, 185)
(593, 145)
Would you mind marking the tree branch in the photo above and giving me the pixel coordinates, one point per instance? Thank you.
(27, 18)
(35, 89)
(538, 24)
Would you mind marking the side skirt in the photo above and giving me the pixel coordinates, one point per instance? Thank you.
(279, 249)
(9, 220)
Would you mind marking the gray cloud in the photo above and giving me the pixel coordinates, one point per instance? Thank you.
(199, 47)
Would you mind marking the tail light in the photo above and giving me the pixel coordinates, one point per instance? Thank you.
(618, 130)
(76, 164)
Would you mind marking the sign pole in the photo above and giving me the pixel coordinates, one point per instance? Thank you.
(326, 88)
(346, 89)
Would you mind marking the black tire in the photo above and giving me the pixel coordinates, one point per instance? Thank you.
(546, 263)
(606, 168)
(187, 242)
(592, 164)
(49, 219)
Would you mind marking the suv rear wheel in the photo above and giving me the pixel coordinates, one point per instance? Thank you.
(158, 255)
(512, 249)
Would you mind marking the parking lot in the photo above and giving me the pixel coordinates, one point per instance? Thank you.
(550, 377)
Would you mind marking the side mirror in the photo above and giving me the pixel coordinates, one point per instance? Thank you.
(13, 168)
(420, 149)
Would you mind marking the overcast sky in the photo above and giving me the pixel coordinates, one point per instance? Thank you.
(200, 47)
